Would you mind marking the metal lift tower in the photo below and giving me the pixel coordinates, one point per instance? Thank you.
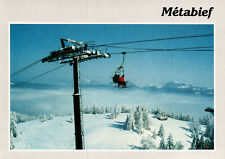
(73, 54)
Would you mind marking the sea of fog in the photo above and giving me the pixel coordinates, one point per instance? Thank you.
(51, 101)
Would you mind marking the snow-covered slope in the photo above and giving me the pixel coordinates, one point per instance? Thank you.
(100, 132)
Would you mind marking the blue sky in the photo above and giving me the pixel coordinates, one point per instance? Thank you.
(31, 42)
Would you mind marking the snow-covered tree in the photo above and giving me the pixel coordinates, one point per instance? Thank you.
(115, 112)
(209, 133)
(156, 111)
(209, 127)
(108, 109)
(139, 125)
(112, 114)
(148, 143)
(161, 131)
(19, 118)
(205, 119)
(172, 115)
(129, 124)
(94, 111)
(102, 110)
(179, 146)
(188, 117)
(194, 142)
(13, 127)
(170, 143)
(208, 144)
(43, 118)
(146, 119)
(124, 109)
(51, 116)
(12, 145)
(194, 128)
(200, 143)
(87, 110)
(138, 116)
(162, 144)
(181, 116)
(211, 137)
(154, 135)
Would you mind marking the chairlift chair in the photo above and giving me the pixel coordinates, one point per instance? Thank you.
(119, 72)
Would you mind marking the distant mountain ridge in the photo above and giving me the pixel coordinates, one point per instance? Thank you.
(177, 87)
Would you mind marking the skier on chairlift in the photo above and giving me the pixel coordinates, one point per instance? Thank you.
(116, 77)
(122, 82)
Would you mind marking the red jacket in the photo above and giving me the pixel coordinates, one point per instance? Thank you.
(121, 79)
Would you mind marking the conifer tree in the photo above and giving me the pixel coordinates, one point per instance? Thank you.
(161, 131)
(211, 137)
(154, 135)
(170, 144)
(124, 109)
(138, 116)
(201, 143)
(194, 142)
(209, 132)
(12, 146)
(129, 122)
(194, 128)
(139, 125)
(86, 110)
(209, 128)
(162, 144)
(148, 143)
(112, 114)
(51, 116)
(172, 115)
(107, 109)
(117, 110)
(102, 110)
(179, 146)
(13, 127)
(43, 118)
(94, 111)
(146, 119)
(207, 144)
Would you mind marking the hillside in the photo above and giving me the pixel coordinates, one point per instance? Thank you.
(100, 132)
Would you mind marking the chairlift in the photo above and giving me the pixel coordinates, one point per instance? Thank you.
(118, 76)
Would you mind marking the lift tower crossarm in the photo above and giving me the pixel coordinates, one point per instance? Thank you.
(72, 41)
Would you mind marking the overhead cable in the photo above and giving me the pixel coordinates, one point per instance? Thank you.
(150, 49)
(25, 68)
(146, 51)
(40, 75)
(158, 39)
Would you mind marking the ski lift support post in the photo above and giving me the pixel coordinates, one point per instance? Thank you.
(121, 66)
(74, 54)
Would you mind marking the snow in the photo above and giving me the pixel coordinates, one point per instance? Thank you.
(51, 134)
(100, 132)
